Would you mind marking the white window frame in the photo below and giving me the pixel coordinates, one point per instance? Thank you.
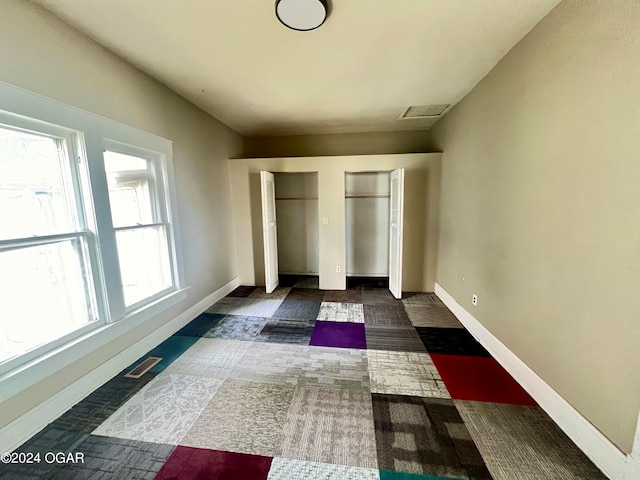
(87, 135)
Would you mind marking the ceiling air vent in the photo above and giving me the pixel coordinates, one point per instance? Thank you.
(424, 111)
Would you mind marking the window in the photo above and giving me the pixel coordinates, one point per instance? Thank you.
(87, 230)
(139, 218)
(46, 277)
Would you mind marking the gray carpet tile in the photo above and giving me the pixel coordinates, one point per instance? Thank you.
(337, 368)
(394, 338)
(343, 296)
(252, 307)
(286, 469)
(425, 436)
(243, 417)
(379, 296)
(279, 293)
(420, 298)
(305, 295)
(405, 373)
(297, 310)
(277, 363)
(237, 327)
(521, 442)
(431, 316)
(307, 282)
(282, 330)
(210, 357)
(163, 411)
(386, 315)
(330, 425)
(341, 312)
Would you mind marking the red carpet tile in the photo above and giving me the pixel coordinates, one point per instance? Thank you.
(479, 378)
(187, 463)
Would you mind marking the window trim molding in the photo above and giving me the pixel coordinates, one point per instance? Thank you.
(85, 133)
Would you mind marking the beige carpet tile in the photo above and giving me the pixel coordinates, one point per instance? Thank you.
(341, 312)
(405, 373)
(431, 316)
(330, 425)
(520, 442)
(250, 307)
(163, 411)
(243, 417)
(210, 357)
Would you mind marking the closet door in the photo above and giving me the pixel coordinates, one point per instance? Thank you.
(395, 232)
(269, 232)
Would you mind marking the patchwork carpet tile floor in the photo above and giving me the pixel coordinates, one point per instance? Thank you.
(306, 384)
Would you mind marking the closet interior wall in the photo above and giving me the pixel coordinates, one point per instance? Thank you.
(367, 224)
(297, 223)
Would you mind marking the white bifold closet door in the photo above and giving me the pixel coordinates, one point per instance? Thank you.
(269, 230)
(395, 232)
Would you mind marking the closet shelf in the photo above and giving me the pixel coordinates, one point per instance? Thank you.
(367, 196)
(298, 198)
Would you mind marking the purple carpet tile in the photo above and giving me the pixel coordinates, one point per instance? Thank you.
(342, 335)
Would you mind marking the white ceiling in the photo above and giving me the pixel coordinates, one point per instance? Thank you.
(358, 72)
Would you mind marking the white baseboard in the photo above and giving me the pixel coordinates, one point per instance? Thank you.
(17, 432)
(612, 461)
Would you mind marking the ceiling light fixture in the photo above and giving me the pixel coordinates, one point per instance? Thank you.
(301, 15)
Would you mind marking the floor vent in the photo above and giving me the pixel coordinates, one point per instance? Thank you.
(143, 368)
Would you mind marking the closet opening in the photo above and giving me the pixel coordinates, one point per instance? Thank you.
(373, 213)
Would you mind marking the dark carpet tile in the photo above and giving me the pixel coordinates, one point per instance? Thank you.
(200, 463)
(386, 315)
(343, 296)
(379, 296)
(394, 338)
(308, 282)
(201, 325)
(298, 310)
(425, 436)
(242, 291)
(287, 280)
(450, 341)
(116, 459)
(169, 350)
(278, 330)
(361, 283)
(237, 327)
(305, 295)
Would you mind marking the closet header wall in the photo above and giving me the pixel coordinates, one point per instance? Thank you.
(422, 193)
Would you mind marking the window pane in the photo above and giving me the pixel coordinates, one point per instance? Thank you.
(44, 295)
(33, 199)
(130, 195)
(144, 262)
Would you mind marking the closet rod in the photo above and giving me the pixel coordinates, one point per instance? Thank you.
(367, 196)
(298, 198)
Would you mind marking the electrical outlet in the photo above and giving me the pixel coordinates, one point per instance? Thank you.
(337, 268)
(474, 299)
(325, 220)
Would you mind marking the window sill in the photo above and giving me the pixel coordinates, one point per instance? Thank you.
(32, 372)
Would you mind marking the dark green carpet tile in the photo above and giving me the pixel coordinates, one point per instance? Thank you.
(451, 341)
(386, 315)
(237, 327)
(385, 475)
(298, 310)
(278, 330)
(242, 291)
(305, 295)
(200, 326)
(425, 436)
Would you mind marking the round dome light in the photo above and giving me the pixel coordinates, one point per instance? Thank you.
(302, 15)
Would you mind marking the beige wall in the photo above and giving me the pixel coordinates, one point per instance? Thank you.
(540, 207)
(422, 192)
(45, 56)
(338, 144)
